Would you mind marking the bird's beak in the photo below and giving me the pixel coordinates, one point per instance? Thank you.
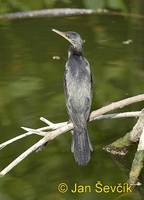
(63, 34)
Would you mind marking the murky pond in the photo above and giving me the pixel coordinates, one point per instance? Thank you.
(31, 85)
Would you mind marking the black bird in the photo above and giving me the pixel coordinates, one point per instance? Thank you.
(78, 94)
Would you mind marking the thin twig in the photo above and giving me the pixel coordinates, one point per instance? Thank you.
(22, 136)
(117, 115)
(51, 125)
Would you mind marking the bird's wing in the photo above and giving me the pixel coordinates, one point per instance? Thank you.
(77, 84)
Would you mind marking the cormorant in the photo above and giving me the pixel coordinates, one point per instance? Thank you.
(78, 94)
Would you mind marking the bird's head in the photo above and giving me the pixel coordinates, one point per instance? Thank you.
(73, 37)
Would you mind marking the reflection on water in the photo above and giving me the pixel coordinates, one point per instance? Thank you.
(31, 85)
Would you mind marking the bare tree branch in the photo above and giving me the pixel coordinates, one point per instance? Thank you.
(141, 142)
(22, 136)
(68, 126)
(53, 126)
(138, 128)
(57, 12)
(49, 13)
(50, 136)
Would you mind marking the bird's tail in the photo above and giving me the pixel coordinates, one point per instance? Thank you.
(81, 146)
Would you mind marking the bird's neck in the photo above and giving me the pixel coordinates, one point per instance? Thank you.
(74, 51)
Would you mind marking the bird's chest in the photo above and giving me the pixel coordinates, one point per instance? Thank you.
(76, 69)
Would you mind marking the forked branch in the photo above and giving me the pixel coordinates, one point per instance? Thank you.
(58, 129)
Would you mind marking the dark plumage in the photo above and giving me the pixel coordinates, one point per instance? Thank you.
(78, 93)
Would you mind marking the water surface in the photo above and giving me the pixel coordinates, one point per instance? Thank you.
(31, 85)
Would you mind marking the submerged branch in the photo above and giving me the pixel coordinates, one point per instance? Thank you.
(120, 146)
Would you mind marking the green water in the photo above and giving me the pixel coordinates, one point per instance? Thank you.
(31, 85)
